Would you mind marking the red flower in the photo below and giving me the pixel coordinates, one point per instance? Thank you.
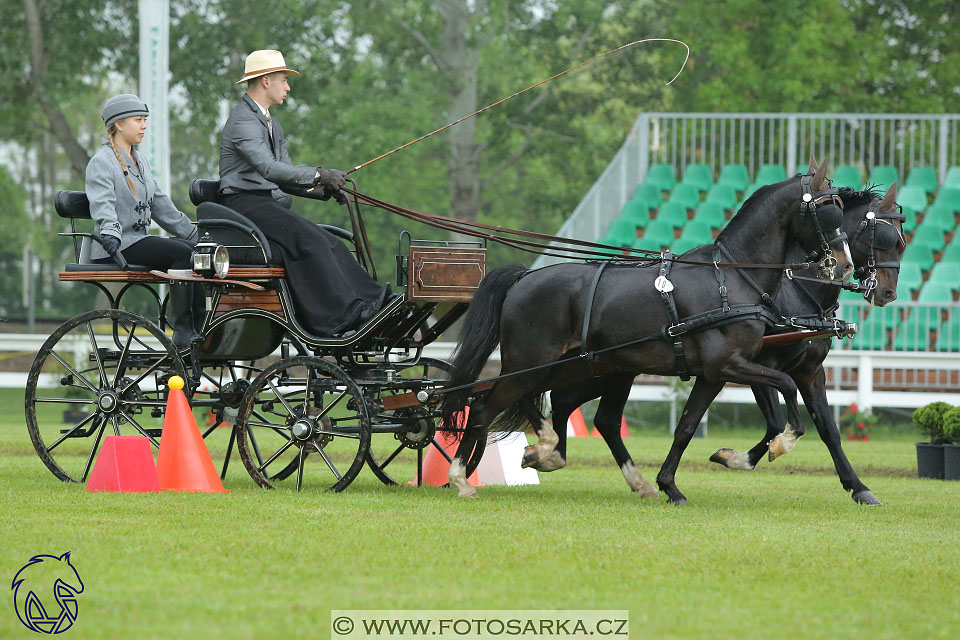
(860, 425)
(853, 407)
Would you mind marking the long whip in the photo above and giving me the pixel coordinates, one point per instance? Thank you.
(534, 86)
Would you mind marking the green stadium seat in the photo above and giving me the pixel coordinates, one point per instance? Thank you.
(929, 237)
(682, 245)
(924, 178)
(910, 279)
(847, 176)
(711, 213)
(699, 231)
(952, 179)
(636, 212)
(914, 333)
(673, 212)
(622, 233)
(949, 197)
(723, 194)
(947, 272)
(948, 334)
(911, 218)
(936, 292)
(939, 217)
(922, 256)
(883, 176)
(873, 333)
(769, 174)
(698, 175)
(656, 236)
(951, 253)
(662, 175)
(687, 195)
(648, 192)
(734, 175)
(914, 197)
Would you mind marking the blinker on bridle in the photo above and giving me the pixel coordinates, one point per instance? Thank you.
(870, 270)
(808, 206)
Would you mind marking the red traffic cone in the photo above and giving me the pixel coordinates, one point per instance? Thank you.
(435, 466)
(577, 424)
(184, 463)
(125, 465)
(624, 431)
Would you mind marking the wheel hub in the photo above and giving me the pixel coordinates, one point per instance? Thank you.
(309, 428)
(303, 429)
(108, 401)
(418, 429)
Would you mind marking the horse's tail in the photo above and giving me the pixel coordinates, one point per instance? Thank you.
(479, 336)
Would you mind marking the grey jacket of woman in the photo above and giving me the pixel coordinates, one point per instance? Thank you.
(118, 213)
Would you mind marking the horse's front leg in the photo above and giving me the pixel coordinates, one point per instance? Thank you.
(702, 394)
(770, 407)
(814, 392)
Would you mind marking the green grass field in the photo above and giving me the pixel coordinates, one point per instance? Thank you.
(781, 552)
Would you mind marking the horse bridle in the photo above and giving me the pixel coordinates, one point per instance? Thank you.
(808, 206)
(870, 223)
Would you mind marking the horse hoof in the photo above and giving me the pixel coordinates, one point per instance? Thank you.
(867, 498)
(530, 457)
(468, 493)
(679, 502)
(732, 459)
(783, 443)
(721, 456)
(648, 493)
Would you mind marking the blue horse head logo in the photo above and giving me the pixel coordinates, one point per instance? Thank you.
(45, 593)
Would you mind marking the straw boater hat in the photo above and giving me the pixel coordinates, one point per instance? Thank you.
(260, 63)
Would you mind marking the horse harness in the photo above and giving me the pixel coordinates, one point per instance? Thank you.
(870, 225)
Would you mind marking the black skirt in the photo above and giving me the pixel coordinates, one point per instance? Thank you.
(328, 286)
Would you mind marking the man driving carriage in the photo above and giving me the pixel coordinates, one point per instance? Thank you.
(332, 293)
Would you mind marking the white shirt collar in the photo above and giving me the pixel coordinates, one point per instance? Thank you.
(262, 110)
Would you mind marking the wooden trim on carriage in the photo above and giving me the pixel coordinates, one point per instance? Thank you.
(113, 275)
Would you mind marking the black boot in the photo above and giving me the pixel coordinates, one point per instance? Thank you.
(184, 331)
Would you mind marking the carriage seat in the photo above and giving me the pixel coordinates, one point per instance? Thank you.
(74, 205)
(208, 191)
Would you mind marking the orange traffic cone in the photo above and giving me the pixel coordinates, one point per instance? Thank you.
(577, 424)
(184, 464)
(624, 432)
(435, 466)
(124, 465)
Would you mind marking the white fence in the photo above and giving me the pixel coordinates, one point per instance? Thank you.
(855, 376)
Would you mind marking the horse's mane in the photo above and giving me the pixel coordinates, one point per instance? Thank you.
(753, 201)
(852, 197)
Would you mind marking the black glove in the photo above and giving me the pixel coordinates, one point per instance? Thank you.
(340, 197)
(330, 179)
(111, 244)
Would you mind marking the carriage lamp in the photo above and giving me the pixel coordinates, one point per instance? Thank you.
(210, 258)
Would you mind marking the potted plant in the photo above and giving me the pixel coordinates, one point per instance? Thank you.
(857, 426)
(930, 454)
(951, 452)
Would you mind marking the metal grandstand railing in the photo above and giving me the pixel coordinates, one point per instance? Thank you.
(753, 139)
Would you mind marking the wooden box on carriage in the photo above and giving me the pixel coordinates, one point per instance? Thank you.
(445, 274)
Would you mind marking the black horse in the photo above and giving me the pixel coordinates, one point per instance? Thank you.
(876, 243)
(538, 317)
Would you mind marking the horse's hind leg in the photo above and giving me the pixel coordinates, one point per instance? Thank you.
(702, 394)
(814, 392)
(607, 420)
(549, 453)
(770, 406)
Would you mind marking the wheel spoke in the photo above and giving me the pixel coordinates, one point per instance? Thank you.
(96, 354)
(66, 400)
(143, 374)
(116, 425)
(306, 394)
(93, 451)
(268, 425)
(71, 432)
(328, 461)
(137, 426)
(340, 434)
(332, 404)
(76, 373)
(392, 456)
(281, 397)
(256, 447)
(303, 456)
(123, 354)
(276, 455)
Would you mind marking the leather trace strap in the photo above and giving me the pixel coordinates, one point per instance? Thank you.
(591, 295)
(665, 287)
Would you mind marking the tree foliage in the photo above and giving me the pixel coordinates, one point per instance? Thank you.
(379, 73)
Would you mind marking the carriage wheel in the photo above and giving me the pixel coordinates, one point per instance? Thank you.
(307, 412)
(403, 437)
(104, 371)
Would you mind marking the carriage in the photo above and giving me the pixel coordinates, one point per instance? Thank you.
(290, 396)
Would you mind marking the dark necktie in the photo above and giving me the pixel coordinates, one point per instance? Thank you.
(269, 125)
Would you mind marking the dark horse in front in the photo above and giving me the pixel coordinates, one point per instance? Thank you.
(548, 316)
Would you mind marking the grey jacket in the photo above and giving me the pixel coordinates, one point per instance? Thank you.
(248, 160)
(118, 213)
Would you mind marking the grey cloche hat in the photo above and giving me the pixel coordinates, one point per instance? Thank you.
(123, 106)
